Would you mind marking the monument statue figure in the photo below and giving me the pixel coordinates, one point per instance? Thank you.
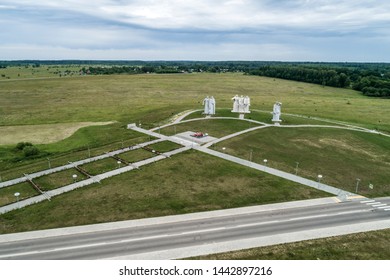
(277, 111)
(209, 105)
(247, 103)
(235, 104)
(212, 106)
(241, 104)
(206, 102)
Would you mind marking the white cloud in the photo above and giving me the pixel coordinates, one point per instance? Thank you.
(224, 14)
(194, 29)
(202, 51)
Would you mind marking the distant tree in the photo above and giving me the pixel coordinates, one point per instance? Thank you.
(29, 151)
(21, 145)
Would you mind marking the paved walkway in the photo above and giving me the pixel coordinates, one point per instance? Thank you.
(345, 124)
(76, 163)
(234, 135)
(342, 195)
(174, 139)
(92, 180)
(184, 115)
(209, 118)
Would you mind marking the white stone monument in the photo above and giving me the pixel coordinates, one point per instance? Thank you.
(247, 103)
(212, 106)
(235, 104)
(241, 105)
(209, 106)
(277, 111)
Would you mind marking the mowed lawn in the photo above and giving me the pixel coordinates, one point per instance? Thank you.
(260, 116)
(25, 190)
(152, 98)
(86, 142)
(59, 179)
(214, 127)
(340, 156)
(185, 183)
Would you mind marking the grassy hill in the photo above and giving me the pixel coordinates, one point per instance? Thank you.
(152, 100)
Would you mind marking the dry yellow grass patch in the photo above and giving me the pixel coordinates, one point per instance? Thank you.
(42, 133)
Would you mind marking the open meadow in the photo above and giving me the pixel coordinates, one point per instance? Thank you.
(179, 185)
(186, 183)
(154, 98)
(340, 156)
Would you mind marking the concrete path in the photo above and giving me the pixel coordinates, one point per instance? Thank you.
(342, 195)
(332, 121)
(329, 126)
(184, 115)
(76, 163)
(283, 126)
(340, 125)
(234, 135)
(93, 180)
(209, 118)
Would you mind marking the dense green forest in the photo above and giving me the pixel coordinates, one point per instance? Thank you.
(372, 79)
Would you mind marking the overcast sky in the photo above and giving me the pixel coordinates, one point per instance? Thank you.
(284, 30)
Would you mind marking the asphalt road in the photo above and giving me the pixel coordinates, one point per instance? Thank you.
(182, 235)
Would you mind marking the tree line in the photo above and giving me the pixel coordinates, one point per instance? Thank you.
(372, 79)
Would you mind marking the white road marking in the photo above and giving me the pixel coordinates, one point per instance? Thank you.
(83, 246)
(204, 230)
(367, 201)
(350, 212)
(384, 207)
(308, 217)
(257, 224)
(373, 203)
(19, 254)
(378, 205)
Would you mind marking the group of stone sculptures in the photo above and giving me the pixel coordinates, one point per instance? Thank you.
(241, 106)
(209, 105)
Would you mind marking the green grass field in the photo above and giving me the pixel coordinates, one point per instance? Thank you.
(260, 116)
(341, 156)
(7, 195)
(214, 127)
(153, 98)
(101, 166)
(41, 134)
(39, 96)
(165, 146)
(136, 155)
(88, 141)
(185, 183)
(373, 245)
